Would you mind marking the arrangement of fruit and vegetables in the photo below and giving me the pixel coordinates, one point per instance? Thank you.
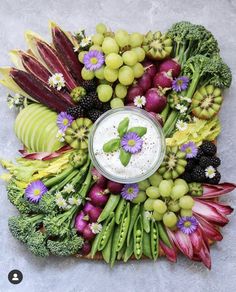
(119, 157)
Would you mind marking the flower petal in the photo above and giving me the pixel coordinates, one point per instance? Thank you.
(169, 252)
(182, 242)
(214, 191)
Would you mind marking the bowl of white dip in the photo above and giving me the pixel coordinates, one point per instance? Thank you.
(142, 164)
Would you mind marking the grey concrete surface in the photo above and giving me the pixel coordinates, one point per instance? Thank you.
(70, 274)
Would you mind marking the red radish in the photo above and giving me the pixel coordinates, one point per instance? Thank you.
(87, 207)
(150, 68)
(145, 81)
(87, 233)
(86, 248)
(98, 196)
(133, 91)
(98, 178)
(172, 66)
(155, 100)
(157, 117)
(80, 223)
(114, 187)
(94, 214)
(163, 80)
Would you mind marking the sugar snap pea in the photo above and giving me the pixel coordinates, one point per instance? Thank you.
(145, 220)
(95, 245)
(120, 253)
(129, 250)
(114, 245)
(107, 229)
(138, 238)
(109, 207)
(163, 235)
(124, 227)
(147, 244)
(154, 240)
(106, 252)
(133, 216)
(120, 210)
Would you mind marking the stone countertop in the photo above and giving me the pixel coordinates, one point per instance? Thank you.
(73, 275)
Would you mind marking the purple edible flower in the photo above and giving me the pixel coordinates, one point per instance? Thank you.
(130, 191)
(180, 83)
(132, 143)
(64, 120)
(187, 224)
(35, 190)
(93, 60)
(190, 149)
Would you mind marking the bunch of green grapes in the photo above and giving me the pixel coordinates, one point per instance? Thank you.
(123, 56)
(166, 199)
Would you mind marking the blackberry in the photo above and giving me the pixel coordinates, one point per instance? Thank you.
(215, 180)
(97, 103)
(208, 148)
(90, 85)
(215, 161)
(205, 161)
(200, 153)
(191, 163)
(87, 102)
(187, 177)
(76, 111)
(106, 106)
(198, 174)
(94, 114)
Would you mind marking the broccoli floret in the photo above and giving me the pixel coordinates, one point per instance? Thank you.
(67, 246)
(223, 77)
(37, 244)
(47, 204)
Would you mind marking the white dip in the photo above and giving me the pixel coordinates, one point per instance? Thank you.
(140, 163)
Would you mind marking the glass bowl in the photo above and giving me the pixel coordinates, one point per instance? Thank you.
(142, 164)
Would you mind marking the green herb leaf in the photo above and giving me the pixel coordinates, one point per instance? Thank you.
(111, 145)
(123, 127)
(124, 157)
(141, 131)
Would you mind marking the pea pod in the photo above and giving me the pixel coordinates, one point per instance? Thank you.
(154, 240)
(145, 220)
(138, 237)
(129, 250)
(109, 207)
(114, 245)
(107, 229)
(120, 253)
(163, 235)
(124, 227)
(106, 252)
(133, 216)
(147, 244)
(95, 245)
(120, 210)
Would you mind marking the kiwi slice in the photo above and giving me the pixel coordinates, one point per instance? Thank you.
(173, 164)
(157, 45)
(206, 102)
(77, 134)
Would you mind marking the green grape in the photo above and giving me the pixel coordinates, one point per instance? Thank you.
(143, 185)
(148, 204)
(170, 219)
(159, 206)
(116, 103)
(97, 38)
(165, 188)
(110, 75)
(120, 90)
(138, 70)
(99, 73)
(155, 179)
(157, 216)
(186, 202)
(141, 197)
(171, 182)
(173, 206)
(178, 191)
(136, 39)
(180, 181)
(140, 53)
(113, 61)
(95, 48)
(101, 28)
(130, 58)
(109, 45)
(126, 75)
(104, 92)
(87, 74)
(152, 192)
(186, 213)
(122, 38)
(81, 56)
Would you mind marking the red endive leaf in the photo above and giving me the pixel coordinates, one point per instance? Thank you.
(196, 239)
(214, 191)
(204, 255)
(221, 208)
(182, 242)
(169, 252)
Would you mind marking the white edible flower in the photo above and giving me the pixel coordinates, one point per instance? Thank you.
(85, 42)
(140, 101)
(148, 215)
(96, 228)
(75, 201)
(17, 98)
(10, 103)
(210, 172)
(182, 108)
(58, 195)
(61, 203)
(60, 136)
(185, 98)
(56, 81)
(69, 188)
(181, 125)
